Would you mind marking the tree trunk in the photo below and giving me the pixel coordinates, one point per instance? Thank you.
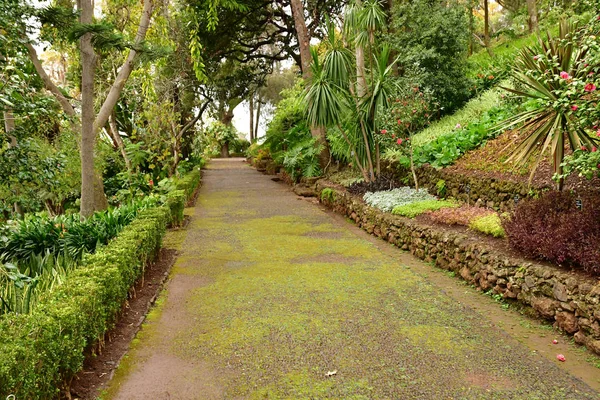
(117, 87)
(9, 126)
(533, 18)
(317, 132)
(471, 30)
(302, 37)
(257, 119)
(486, 30)
(114, 131)
(88, 137)
(251, 111)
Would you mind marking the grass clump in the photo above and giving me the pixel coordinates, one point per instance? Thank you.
(411, 210)
(488, 224)
(388, 199)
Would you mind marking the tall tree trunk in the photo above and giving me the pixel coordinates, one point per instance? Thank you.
(117, 87)
(471, 28)
(258, 106)
(317, 132)
(486, 29)
(226, 119)
(361, 81)
(251, 111)
(88, 64)
(533, 17)
(9, 126)
(114, 131)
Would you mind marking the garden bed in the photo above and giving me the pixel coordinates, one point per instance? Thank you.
(569, 299)
(41, 352)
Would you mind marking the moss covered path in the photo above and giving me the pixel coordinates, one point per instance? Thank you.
(272, 298)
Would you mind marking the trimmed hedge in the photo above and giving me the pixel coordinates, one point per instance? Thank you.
(411, 210)
(40, 352)
(189, 183)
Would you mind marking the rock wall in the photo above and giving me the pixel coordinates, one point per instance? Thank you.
(571, 301)
(501, 195)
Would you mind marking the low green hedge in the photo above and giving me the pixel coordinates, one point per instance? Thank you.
(189, 183)
(42, 350)
(489, 224)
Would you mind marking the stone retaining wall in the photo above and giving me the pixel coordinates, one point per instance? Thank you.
(486, 192)
(571, 301)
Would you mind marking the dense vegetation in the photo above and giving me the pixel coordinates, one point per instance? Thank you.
(109, 111)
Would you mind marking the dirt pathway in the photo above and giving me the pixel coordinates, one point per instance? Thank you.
(273, 298)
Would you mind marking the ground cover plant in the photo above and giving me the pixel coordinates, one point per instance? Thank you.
(469, 113)
(388, 199)
(462, 215)
(411, 210)
(490, 224)
(559, 227)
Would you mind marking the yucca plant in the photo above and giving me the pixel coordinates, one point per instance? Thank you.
(556, 78)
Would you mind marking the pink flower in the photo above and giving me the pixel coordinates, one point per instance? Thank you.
(594, 149)
(590, 87)
(561, 358)
(598, 133)
(151, 182)
(458, 126)
(591, 74)
(383, 131)
(583, 148)
(536, 58)
(564, 75)
(399, 141)
(574, 107)
(399, 122)
(414, 111)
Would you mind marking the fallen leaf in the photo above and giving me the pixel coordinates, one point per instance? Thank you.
(331, 373)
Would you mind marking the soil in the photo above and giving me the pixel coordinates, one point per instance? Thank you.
(487, 161)
(270, 294)
(99, 366)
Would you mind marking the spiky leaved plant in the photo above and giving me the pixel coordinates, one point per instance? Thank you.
(555, 78)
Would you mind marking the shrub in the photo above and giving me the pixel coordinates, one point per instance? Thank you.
(462, 215)
(387, 200)
(553, 228)
(489, 224)
(41, 351)
(385, 181)
(176, 204)
(411, 210)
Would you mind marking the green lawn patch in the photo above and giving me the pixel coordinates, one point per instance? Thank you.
(411, 210)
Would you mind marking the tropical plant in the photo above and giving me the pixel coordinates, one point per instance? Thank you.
(302, 159)
(340, 95)
(558, 79)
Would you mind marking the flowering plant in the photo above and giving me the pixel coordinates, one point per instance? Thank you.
(558, 78)
(408, 114)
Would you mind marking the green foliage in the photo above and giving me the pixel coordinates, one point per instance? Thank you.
(216, 135)
(431, 41)
(471, 112)
(490, 224)
(388, 199)
(440, 187)
(42, 350)
(328, 195)
(176, 203)
(303, 159)
(411, 210)
(584, 163)
(444, 150)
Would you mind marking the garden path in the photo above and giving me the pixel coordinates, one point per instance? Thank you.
(272, 297)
